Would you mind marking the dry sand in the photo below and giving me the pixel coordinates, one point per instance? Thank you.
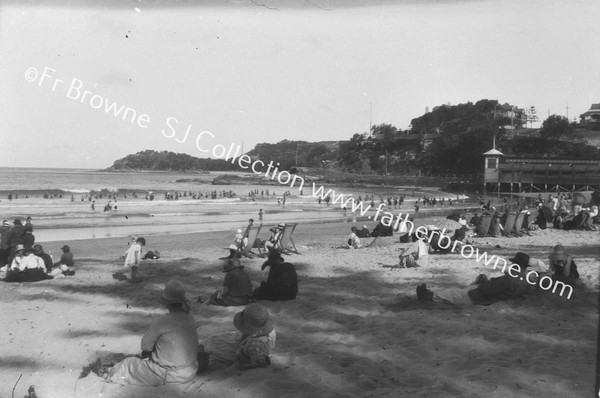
(355, 330)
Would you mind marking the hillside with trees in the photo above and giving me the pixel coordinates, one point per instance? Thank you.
(448, 140)
(169, 161)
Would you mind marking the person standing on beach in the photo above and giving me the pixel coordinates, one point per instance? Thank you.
(133, 257)
(15, 236)
(4, 248)
(260, 215)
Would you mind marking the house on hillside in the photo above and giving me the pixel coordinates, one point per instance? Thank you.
(514, 117)
(591, 117)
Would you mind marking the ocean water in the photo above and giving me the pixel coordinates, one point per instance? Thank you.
(71, 217)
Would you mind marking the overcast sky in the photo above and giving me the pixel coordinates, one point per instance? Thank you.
(264, 71)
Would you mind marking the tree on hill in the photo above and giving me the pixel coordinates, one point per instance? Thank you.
(556, 126)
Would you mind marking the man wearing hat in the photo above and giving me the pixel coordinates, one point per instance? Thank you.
(237, 288)
(282, 281)
(249, 348)
(169, 347)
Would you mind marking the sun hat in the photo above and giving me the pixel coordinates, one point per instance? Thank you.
(254, 320)
(65, 248)
(174, 292)
(239, 231)
(281, 226)
(5, 224)
(353, 229)
(38, 248)
(521, 259)
(558, 253)
(19, 247)
(232, 264)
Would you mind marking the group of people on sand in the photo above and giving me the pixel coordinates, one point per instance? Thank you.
(171, 351)
(21, 260)
(517, 282)
(281, 283)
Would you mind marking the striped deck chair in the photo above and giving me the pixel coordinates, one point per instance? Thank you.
(519, 223)
(246, 251)
(509, 225)
(286, 239)
(484, 225)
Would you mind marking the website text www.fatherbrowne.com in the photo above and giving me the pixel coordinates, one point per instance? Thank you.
(76, 91)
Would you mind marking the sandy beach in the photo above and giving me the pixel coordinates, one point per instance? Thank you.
(356, 328)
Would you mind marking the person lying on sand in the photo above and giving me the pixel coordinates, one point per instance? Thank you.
(169, 347)
(134, 256)
(486, 291)
(237, 288)
(282, 281)
(249, 348)
(353, 241)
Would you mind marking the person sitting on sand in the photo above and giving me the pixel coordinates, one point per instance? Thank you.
(239, 242)
(487, 291)
(38, 250)
(249, 348)
(414, 255)
(169, 347)
(26, 267)
(282, 281)
(66, 258)
(562, 267)
(382, 230)
(237, 288)
(134, 256)
(364, 232)
(353, 241)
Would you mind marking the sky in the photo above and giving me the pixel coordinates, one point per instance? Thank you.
(245, 72)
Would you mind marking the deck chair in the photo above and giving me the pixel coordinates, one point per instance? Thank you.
(484, 225)
(246, 251)
(286, 239)
(519, 223)
(509, 225)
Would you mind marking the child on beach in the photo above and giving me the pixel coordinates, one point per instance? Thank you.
(249, 348)
(133, 257)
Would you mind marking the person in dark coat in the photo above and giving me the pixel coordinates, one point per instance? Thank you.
(282, 281)
(38, 250)
(15, 237)
(28, 238)
(237, 288)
